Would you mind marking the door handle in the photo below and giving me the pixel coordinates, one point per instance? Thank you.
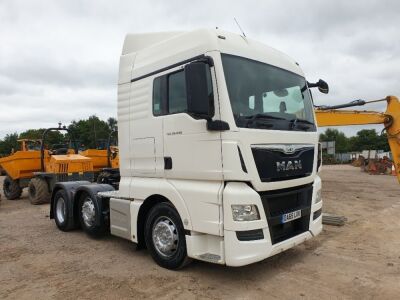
(167, 163)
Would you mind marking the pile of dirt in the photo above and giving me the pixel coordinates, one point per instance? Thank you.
(358, 162)
(379, 166)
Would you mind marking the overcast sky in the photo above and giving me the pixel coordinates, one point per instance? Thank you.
(59, 59)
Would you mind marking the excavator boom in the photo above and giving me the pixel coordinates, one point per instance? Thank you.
(390, 120)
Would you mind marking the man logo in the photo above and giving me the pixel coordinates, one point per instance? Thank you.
(289, 149)
(289, 165)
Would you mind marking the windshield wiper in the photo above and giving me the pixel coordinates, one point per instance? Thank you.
(260, 121)
(263, 116)
(301, 123)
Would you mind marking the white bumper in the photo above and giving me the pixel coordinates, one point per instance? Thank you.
(230, 250)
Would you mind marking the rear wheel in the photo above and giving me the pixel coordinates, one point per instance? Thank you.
(11, 188)
(38, 191)
(165, 237)
(92, 220)
(61, 209)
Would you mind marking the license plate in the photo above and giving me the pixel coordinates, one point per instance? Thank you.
(291, 216)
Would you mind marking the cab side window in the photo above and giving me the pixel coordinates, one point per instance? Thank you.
(157, 109)
(169, 93)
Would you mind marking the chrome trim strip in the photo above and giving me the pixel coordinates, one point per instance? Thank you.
(285, 148)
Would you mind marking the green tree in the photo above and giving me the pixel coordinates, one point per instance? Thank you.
(8, 144)
(112, 123)
(368, 139)
(53, 137)
(92, 132)
(341, 141)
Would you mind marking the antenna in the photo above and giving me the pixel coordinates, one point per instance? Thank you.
(240, 28)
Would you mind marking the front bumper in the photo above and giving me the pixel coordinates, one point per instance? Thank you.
(239, 253)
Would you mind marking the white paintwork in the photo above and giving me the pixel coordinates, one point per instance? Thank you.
(206, 178)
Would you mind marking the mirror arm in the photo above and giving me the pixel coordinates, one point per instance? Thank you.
(312, 85)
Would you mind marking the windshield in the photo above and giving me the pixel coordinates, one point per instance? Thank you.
(264, 96)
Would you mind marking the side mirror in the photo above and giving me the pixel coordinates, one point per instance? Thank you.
(199, 103)
(322, 86)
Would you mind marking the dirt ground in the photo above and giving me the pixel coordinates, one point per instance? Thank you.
(360, 260)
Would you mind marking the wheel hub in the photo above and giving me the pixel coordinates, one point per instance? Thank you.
(88, 212)
(60, 210)
(165, 236)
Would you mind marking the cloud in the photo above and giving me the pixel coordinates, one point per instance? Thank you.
(59, 59)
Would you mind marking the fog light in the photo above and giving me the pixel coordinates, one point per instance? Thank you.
(318, 196)
(245, 212)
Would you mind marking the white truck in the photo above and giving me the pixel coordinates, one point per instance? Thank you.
(219, 153)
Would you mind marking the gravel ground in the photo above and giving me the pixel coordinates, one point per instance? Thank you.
(360, 260)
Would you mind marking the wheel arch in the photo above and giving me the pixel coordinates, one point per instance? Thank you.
(164, 195)
(144, 210)
(69, 188)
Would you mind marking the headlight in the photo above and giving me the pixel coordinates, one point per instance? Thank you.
(245, 213)
(318, 196)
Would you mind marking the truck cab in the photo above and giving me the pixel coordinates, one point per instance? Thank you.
(218, 150)
(232, 165)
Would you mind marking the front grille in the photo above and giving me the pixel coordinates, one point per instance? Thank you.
(279, 202)
(273, 164)
(63, 168)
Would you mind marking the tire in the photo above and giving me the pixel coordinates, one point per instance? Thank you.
(38, 191)
(11, 189)
(62, 209)
(88, 210)
(170, 253)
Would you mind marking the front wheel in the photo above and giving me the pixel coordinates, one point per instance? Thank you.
(165, 237)
(92, 220)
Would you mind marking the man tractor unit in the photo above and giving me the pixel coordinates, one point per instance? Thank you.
(218, 152)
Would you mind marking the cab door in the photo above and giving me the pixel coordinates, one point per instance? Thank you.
(192, 153)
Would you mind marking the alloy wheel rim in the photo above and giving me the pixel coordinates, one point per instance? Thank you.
(60, 209)
(88, 212)
(165, 236)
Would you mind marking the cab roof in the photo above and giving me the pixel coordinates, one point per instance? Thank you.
(154, 51)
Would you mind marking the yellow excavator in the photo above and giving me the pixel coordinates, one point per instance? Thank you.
(390, 119)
